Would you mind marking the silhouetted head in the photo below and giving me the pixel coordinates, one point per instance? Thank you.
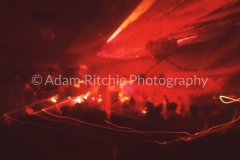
(159, 108)
(172, 106)
(132, 101)
(150, 106)
(78, 105)
(193, 110)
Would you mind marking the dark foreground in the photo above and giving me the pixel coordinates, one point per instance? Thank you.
(36, 142)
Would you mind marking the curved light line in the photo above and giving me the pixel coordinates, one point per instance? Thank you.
(230, 100)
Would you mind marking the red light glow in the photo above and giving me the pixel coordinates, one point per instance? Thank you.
(141, 8)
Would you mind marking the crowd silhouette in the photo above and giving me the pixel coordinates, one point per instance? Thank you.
(194, 119)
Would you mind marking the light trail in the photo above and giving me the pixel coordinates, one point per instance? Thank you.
(147, 136)
(229, 99)
(141, 8)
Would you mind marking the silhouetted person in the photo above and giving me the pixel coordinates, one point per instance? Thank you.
(125, 107)
(159, 109)
(173, 118)
(194, 110)
(205, 113)
(132, 101)
(64, 110)
(157, 117)
(150, 111)
(195, 122)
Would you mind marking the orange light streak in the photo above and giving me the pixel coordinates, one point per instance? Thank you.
(141, 8)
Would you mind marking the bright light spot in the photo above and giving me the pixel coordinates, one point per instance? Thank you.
(85, 97)
(186, 38)
(93, 98)
(144, 112)
(29, 111)
(54, 99)
(141, 8)
(83, 67)
(122, 99)
(78, 100)
(99, 100)
(77, 85)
